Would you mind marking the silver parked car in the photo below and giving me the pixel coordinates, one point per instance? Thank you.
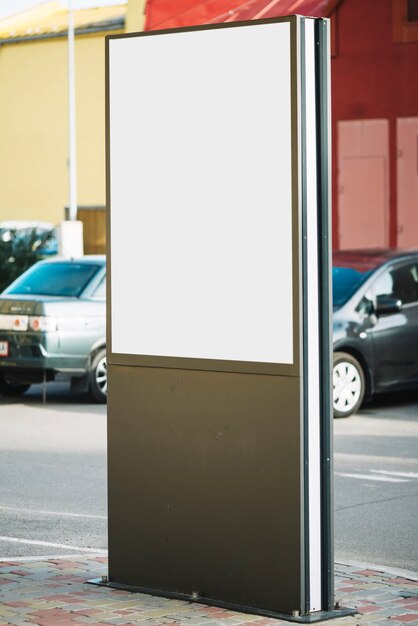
(53, 326)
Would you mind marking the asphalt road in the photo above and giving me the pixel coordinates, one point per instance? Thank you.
(53, 479)
(376, 484)
(53, 475)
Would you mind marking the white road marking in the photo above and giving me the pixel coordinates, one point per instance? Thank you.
(62, 546)
(49, 557)
(375, 459)
(384, 479)
(404, 474)
(59, 513)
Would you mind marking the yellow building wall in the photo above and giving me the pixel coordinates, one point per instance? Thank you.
(34, 127)
(135, 16)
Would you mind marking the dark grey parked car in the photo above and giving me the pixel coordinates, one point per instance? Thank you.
(53, 326)
(375, 297)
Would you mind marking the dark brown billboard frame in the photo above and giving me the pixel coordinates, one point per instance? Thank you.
(213, 364)
(141, 401)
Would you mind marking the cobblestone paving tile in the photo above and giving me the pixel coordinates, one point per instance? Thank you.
(54, 593)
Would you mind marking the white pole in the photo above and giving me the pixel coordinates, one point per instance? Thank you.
(72, 157)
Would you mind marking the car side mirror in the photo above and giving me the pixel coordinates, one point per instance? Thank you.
(385, 305)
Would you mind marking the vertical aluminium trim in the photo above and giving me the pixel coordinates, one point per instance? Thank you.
(322, 62)
(316, 315)
(310, 299)
(313, 359)
(108, 275)
(108, 216)
(304, 326)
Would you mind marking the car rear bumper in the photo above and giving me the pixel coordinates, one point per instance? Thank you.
(29, 356)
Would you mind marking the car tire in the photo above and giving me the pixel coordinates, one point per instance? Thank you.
(11, 389)
(348, 383)
(98, 377)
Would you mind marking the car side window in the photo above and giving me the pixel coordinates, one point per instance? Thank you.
(100, 291)
(400, 282)
(383, 286)
(405, 283)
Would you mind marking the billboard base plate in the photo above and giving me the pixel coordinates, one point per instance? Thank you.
(310, 618)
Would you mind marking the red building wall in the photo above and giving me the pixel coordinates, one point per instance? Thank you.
(373, 77)
(374, 88)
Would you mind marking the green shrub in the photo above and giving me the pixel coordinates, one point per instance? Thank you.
(19, 251)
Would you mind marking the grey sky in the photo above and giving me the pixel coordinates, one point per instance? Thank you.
(10, 7)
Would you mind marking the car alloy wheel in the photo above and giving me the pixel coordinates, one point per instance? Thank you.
(348, 384)
(98, 377)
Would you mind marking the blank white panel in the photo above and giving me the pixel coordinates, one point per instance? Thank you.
(201, 194)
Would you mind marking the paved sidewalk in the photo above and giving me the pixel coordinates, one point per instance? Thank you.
(54, 593)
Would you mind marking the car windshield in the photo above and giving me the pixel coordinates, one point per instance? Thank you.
(345, 281)
(55, 279)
